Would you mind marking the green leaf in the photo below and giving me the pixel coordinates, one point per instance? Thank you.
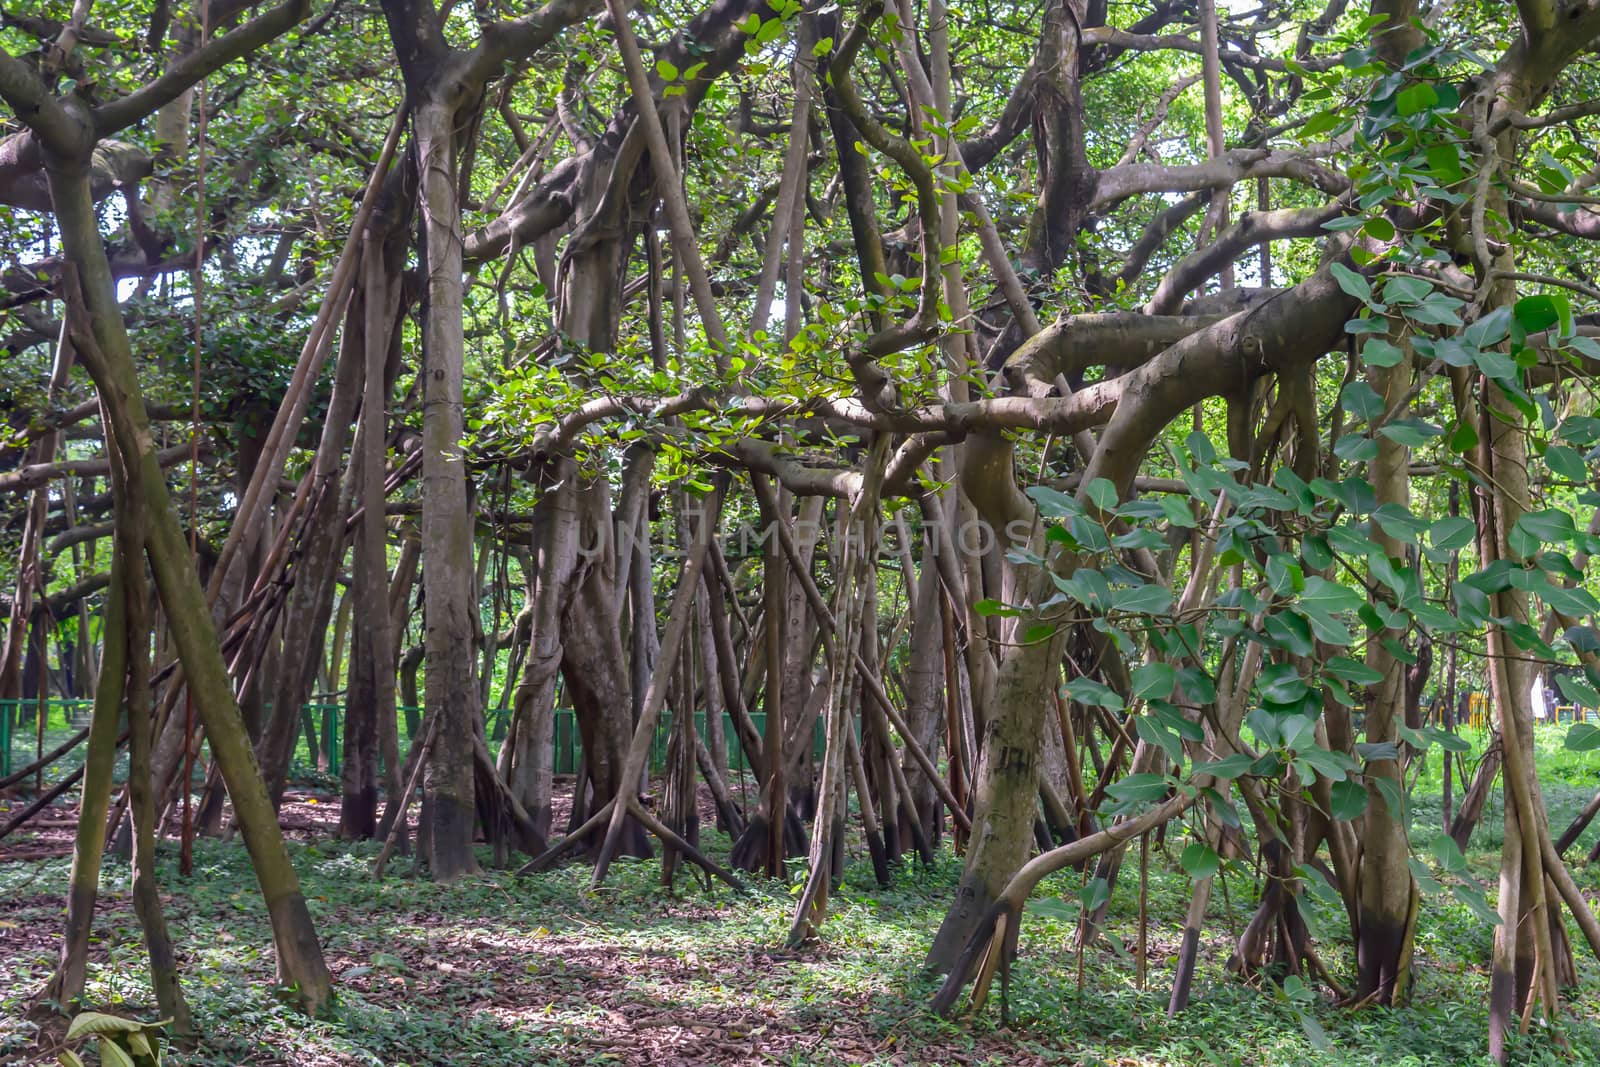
(1415, 98)
(1406, 289)
(1142, 599)
(1575, 601)
(1446, 740)
(1567, 463)
(1377, 750)
(1197, 685)
(1476, 903)
(1088, 691)
(1118, 949)
(1352, 670)
(1329, 597)
(1095, 892)
(1491, 329)
(1039, 631)
(1054, 503)
(1177, 512)
(1153, 681)
(667, 69)
(1353, 284)
(1348, 800)
(1334, 766)
(1356, 449)
(1390, 789)
(113, 1054)
(1550, 525)
(1450, 534)
(1444, 163)
(1135, 788)
(1537, 313)
(1226, 767)
(1054, 908)
(1583, 638)
(1316, 553)
(1102, 494)
(1200, 860)
(1463, 438)
(1496, 365)
(1174, 720)
(1320, 123)
(1436, 310)
(1280, 683)
(1411, 432)
(1425, 879)
(1378, 352)
(1290, 631)
(91, 1023)
(1448, 855)
(1583, 737)
(1153, 733)
(1316, 1036)
(1361, 400)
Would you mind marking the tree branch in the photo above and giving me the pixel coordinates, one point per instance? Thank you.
(186, 72)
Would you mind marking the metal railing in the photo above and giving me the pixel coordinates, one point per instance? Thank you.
(25, 735)
(319, 747)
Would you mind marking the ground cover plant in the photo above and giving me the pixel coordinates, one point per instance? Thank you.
(501, 970)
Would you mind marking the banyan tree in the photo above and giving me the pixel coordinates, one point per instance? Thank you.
(1023, 428)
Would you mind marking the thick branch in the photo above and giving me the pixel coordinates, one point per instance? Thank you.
(1134, 179)
(1141, 42)
(37, 474)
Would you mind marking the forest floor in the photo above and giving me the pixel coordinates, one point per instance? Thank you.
(498, 970)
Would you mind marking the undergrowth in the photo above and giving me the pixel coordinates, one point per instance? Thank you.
(501, 970)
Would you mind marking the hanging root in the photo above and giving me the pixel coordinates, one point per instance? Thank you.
(1339, 991)
(990, 947)
(749, 851)
(1011, 900)
(694, 855)
(880, 859)
(547, 859)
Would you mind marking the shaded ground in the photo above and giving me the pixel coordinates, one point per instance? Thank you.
(499, 971)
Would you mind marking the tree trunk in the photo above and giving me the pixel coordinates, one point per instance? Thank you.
(66, 985)
(299, 956)
(372, 661)
(924, 695)
(594, 666)
(142, 802)
(1382, 945)
(447, 526)
(531, 738)
(320, 551)
(1477, 794)
(1005, 790)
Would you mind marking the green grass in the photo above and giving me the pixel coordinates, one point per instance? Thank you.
(496, 970)
(499, 970)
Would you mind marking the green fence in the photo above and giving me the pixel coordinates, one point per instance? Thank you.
(319, 742)
(569, 745)
(325, 723)
(25, 734)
